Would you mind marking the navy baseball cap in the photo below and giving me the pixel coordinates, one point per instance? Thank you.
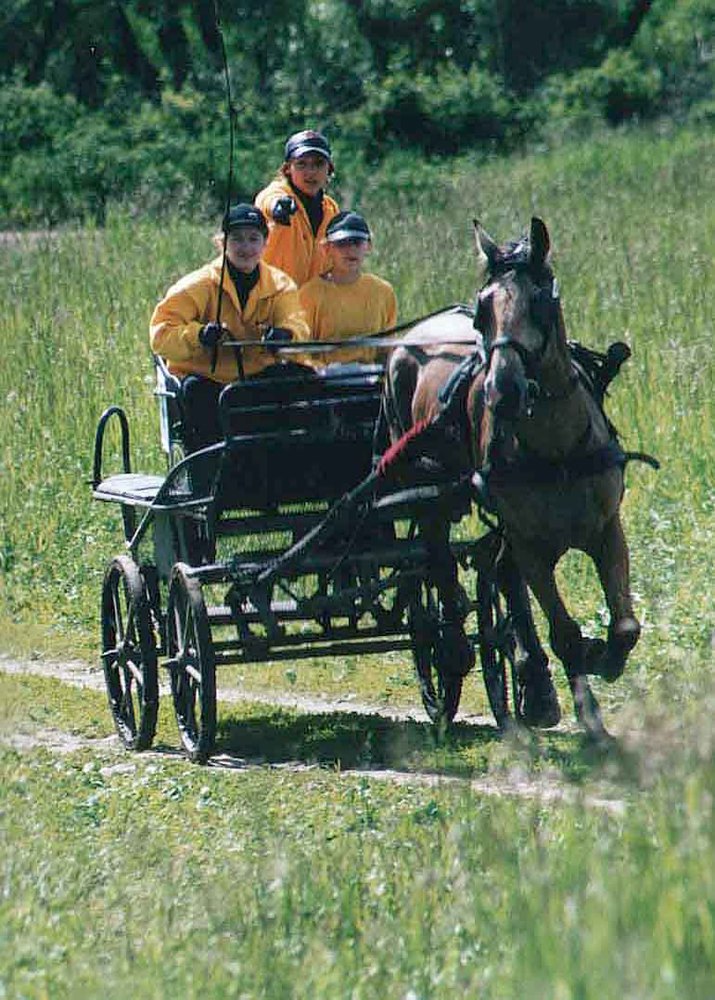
(243, 215)
(347, 226)
(307, 141)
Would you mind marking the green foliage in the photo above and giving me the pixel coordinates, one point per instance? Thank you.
(438, 114)
(619, 89)
(127, 102)
(677, 39)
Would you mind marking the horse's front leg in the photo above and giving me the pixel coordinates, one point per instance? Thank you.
(612, 561)
(565, 635)
(540, 703)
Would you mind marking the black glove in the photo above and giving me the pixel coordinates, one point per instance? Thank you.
(277, 335)
(283, 209)
(210, 334)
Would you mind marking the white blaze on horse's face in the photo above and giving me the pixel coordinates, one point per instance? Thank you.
(512, 336)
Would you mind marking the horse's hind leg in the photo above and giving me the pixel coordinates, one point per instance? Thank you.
(624, 630)
(540, 704)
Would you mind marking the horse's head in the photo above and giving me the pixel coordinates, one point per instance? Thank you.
(519, 317)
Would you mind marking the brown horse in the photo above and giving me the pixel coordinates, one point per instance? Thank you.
(546, 456)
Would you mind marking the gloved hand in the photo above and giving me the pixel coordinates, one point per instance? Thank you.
(211, 333)
(283, 209)
(277, 335)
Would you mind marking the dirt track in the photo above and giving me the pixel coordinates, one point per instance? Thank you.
(114, 760)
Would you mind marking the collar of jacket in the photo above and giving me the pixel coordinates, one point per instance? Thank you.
(263, 289)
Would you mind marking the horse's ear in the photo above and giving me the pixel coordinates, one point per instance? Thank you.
(539, 242)
(486, 247)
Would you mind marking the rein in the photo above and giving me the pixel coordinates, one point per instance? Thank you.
(383, 338)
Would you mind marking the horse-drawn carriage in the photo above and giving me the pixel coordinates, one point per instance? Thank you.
(283, 540)
(276, 543)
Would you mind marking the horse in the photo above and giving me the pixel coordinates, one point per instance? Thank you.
(439, 347)
(545, 457)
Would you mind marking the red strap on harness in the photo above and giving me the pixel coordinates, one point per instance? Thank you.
(400, 450)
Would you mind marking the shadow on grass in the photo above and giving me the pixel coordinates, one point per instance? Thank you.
(357, 741)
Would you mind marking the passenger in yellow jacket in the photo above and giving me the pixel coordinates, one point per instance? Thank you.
(258, 302)
(344, 302)
(298, 209)
(256, 298)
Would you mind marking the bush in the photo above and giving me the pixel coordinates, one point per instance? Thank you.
(33, 117)
(677, 39)
(619, 89)
(439, 114)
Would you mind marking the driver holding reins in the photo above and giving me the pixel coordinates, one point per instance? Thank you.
(257, 302)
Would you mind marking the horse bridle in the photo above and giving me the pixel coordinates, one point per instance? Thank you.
(544, 308)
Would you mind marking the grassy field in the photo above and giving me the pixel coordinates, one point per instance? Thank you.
(300, 874)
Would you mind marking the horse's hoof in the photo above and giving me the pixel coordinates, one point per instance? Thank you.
(622, 637)
(588, 711)
(540, 707)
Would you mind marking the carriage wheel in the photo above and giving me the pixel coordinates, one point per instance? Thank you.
(192, 665)
(440, 689)
(129, 654)
(497, 649)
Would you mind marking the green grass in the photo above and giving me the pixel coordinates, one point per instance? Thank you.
(267, 881)
(128, 872)
(631, 224)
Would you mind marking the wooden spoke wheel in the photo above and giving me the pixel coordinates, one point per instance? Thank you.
(440, 689)
(129, 655)
(497, 648)
(192, 664)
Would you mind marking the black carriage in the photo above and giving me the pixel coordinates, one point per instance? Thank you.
(272, 544)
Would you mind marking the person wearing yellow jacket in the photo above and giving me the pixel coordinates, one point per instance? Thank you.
(343, 301)
(298, 209)
(258, 302)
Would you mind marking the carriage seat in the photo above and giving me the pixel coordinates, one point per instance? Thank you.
(294, 437)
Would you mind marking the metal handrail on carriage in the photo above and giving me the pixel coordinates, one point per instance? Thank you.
(307, 565)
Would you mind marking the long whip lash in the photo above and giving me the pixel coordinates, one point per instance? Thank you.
(229, 182)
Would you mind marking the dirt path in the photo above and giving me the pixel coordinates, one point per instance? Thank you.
(82, 675)
(112, 758)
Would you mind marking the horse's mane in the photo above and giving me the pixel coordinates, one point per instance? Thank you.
(514, 254)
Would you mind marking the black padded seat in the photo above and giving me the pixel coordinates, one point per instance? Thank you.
(298, 438)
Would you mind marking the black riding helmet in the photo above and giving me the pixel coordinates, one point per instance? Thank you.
(243, 216)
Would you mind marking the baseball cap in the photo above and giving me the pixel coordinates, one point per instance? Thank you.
(307, 141)
(242, 215)
(347, 226)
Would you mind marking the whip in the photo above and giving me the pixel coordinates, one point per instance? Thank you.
(229, 184)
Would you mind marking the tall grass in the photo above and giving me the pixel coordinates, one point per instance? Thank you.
(173, 881)
(632, 225)
(267, 883)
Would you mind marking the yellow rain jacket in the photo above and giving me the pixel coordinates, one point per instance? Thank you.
(193, 301)
(336, 312)
(293, 248)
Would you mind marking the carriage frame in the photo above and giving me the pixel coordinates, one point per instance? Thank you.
(267, 545)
